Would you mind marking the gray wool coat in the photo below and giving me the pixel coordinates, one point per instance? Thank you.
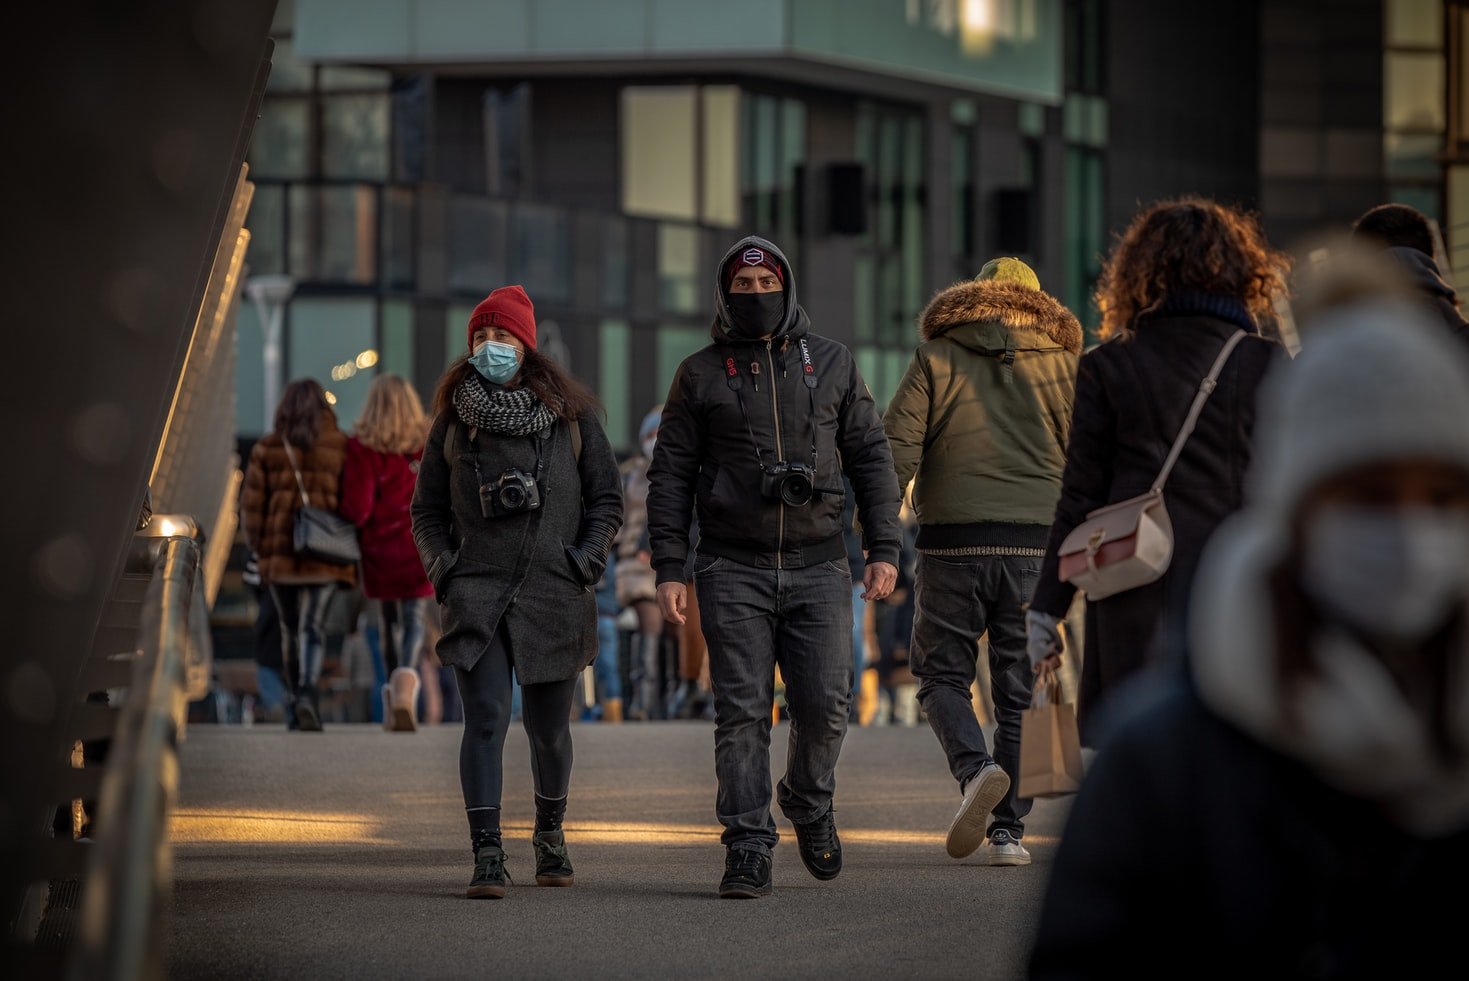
(513, 573)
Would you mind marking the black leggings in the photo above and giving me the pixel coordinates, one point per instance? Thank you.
(546, 711)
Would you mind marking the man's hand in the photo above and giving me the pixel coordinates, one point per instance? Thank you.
(673, 599)
(1043, 641)
(879, 578)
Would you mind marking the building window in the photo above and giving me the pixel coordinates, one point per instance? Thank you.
(659, 151)
(680, 272)
(614, 344)
(507, 139)
(1414, 113)
(681, 153)
(774, 155)
(891, 148)
(333, 339)
(333, 233)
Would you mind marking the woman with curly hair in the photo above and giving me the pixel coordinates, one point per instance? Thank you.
(1184, 278)
(517, 503)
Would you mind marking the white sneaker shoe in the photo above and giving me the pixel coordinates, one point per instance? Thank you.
(1003, 848)
(986, 789)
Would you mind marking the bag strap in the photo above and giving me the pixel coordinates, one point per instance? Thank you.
(300, 484)
(1206, 388)
(576, 439)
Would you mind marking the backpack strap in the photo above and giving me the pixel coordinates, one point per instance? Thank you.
(451, 436)
(576, 440)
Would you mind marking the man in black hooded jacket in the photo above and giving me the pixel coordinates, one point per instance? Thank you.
(757, 431)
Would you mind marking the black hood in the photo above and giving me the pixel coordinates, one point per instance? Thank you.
(795, 325)
(1422, 271)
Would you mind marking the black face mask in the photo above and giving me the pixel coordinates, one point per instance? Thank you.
(754, 315)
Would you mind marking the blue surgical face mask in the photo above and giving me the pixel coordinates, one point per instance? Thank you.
(497, 362)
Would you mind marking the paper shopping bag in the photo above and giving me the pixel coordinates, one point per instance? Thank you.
(1050, 746)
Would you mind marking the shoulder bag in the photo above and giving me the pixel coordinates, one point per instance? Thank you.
(321, 535)
(1129, 544)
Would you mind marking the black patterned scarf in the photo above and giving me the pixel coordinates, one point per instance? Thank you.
(506, 411)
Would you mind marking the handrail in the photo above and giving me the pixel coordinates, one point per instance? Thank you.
(129, 882)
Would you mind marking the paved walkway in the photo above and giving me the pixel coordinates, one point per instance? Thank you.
(345, 855)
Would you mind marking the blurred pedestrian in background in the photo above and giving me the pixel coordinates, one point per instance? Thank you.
(515, 511)
(980, 420)
(383, 458)
(270, 682)
(608, 673)
(637, 587)
(1292, 795)
(1185, 276)
(301, 459)
(1404, 237)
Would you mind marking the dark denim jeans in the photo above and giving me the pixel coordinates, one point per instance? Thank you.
(754, 619)
(958, 599)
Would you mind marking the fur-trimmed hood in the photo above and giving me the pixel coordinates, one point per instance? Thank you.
(1006, 304)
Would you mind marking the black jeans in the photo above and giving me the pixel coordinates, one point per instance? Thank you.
(545, 711)
(754, 619)
(958, 600)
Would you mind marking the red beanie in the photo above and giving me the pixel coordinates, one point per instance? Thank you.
(753, 257)
(509, 309)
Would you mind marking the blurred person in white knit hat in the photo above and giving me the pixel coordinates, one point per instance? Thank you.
(1293, 795)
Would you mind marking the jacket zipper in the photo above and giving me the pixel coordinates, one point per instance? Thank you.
(780, 455)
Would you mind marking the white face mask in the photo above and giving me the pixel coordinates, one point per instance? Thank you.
(1398, 574)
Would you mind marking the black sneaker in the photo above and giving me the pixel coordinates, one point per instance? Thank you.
(820, 847)
(746, 875)
(490, 877)
(553, 865)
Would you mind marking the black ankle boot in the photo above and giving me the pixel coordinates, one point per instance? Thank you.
(490, 877)
(553, 865)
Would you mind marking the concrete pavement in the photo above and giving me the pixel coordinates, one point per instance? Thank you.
(345, 854)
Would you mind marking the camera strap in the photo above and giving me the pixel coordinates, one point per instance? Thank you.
(541, 438)
(736, 384)
(808, 374)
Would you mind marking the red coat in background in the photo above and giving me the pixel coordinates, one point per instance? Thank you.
(376, 491)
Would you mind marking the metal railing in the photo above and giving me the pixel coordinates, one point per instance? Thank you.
(128, 886)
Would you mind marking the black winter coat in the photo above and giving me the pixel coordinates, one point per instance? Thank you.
(1193, 850)
(513, 573)
(705, 455)
(1131, 400)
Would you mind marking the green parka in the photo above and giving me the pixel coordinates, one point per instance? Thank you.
(982, 414)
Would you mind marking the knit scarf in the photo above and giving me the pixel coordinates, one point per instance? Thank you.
(506, 411)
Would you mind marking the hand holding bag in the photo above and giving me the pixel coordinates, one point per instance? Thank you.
(321, 535)
(1050, 744)
(1130, 543)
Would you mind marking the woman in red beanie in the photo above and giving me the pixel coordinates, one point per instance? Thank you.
(517, 504)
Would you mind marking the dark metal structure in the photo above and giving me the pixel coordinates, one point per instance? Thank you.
(123, 194)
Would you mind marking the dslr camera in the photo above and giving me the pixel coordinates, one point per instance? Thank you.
(793, 483)
(516, 492)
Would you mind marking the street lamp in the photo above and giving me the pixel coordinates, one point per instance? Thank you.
(270, 294)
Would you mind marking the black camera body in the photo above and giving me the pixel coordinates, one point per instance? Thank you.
(516, 492)
(792, 483)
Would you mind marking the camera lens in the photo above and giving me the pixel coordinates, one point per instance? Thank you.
(512, 497)
(795, 490)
